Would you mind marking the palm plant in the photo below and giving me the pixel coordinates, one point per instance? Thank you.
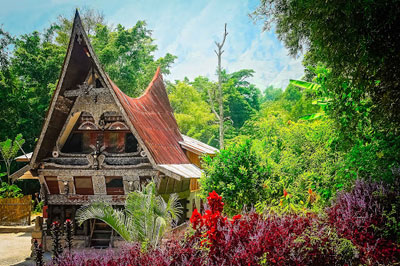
(323, 102)
(144, 219)
(8, 150)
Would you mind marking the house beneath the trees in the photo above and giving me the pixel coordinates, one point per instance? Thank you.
(98, 144)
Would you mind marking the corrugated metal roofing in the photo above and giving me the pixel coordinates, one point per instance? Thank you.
(197, 146)
(152, 116)
(183, 170)
(24, 158)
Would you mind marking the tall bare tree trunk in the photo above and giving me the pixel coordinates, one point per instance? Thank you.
(220, 116)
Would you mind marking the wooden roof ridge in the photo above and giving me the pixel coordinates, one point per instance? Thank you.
(56, 92)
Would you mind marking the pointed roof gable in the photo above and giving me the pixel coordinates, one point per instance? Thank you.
(60, 106)
(152, 116)
(149, 117)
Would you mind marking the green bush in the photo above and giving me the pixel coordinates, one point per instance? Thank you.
(237, 174)
(10, 191)
(303, 160)
(39, 207)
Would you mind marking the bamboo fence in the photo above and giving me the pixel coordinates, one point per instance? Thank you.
(16, 211)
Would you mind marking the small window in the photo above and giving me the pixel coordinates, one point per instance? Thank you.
(114, 185)
(114, 141)
(83, 185)
(52, 184)
(98, 84)
(80, 142)
(131, 143)
(89, 140)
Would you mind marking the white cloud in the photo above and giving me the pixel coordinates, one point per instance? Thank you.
(246, 46)
(187, 29)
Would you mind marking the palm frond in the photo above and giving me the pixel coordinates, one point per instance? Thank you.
(145, 218)
(116, 219)
(174, 207)
(305, 85)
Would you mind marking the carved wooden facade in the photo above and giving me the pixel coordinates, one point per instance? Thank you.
(99, 144)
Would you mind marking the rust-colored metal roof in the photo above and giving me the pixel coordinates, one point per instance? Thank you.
(197, 146)
(152, 116)
(181, 170)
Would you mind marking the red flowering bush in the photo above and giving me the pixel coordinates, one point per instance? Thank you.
(351, 234)
(252, 239)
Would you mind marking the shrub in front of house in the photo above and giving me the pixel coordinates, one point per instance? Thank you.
(354, 231)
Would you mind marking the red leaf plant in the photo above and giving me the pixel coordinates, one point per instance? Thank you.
(359, 215)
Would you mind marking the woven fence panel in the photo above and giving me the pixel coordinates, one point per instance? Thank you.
(15, 211)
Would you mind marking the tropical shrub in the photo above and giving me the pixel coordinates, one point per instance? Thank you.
(8, 151)
(253, 239)
(237, 174)
(301, 156)
(10, 191)
(38, 207)
(38, 253)
(373, 156)
(131, 254)
(56, 236)
(144, 219)
(68, 228)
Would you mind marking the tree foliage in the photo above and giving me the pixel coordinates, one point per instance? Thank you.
(192, 113)
(9, 150)
(128, 56)
(237, 174)
(271, 94)
(242, 98)
(356, 40)
(241, 101)
(9, 191)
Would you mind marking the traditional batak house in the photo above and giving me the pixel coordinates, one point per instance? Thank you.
(99, 144)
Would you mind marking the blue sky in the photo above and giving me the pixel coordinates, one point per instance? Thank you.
(184, 28)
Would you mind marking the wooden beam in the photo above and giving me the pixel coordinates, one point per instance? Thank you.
(90, 90)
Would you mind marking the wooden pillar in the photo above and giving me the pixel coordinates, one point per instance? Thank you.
(99, 185)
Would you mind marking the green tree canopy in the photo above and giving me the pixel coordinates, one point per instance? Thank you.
(192, 113)
(272, 94)
(242, 99)
(356, 40)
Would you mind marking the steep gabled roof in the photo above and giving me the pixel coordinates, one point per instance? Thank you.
(152, 116)
(149, 117)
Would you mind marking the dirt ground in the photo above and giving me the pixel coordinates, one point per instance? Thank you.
(14, 248)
